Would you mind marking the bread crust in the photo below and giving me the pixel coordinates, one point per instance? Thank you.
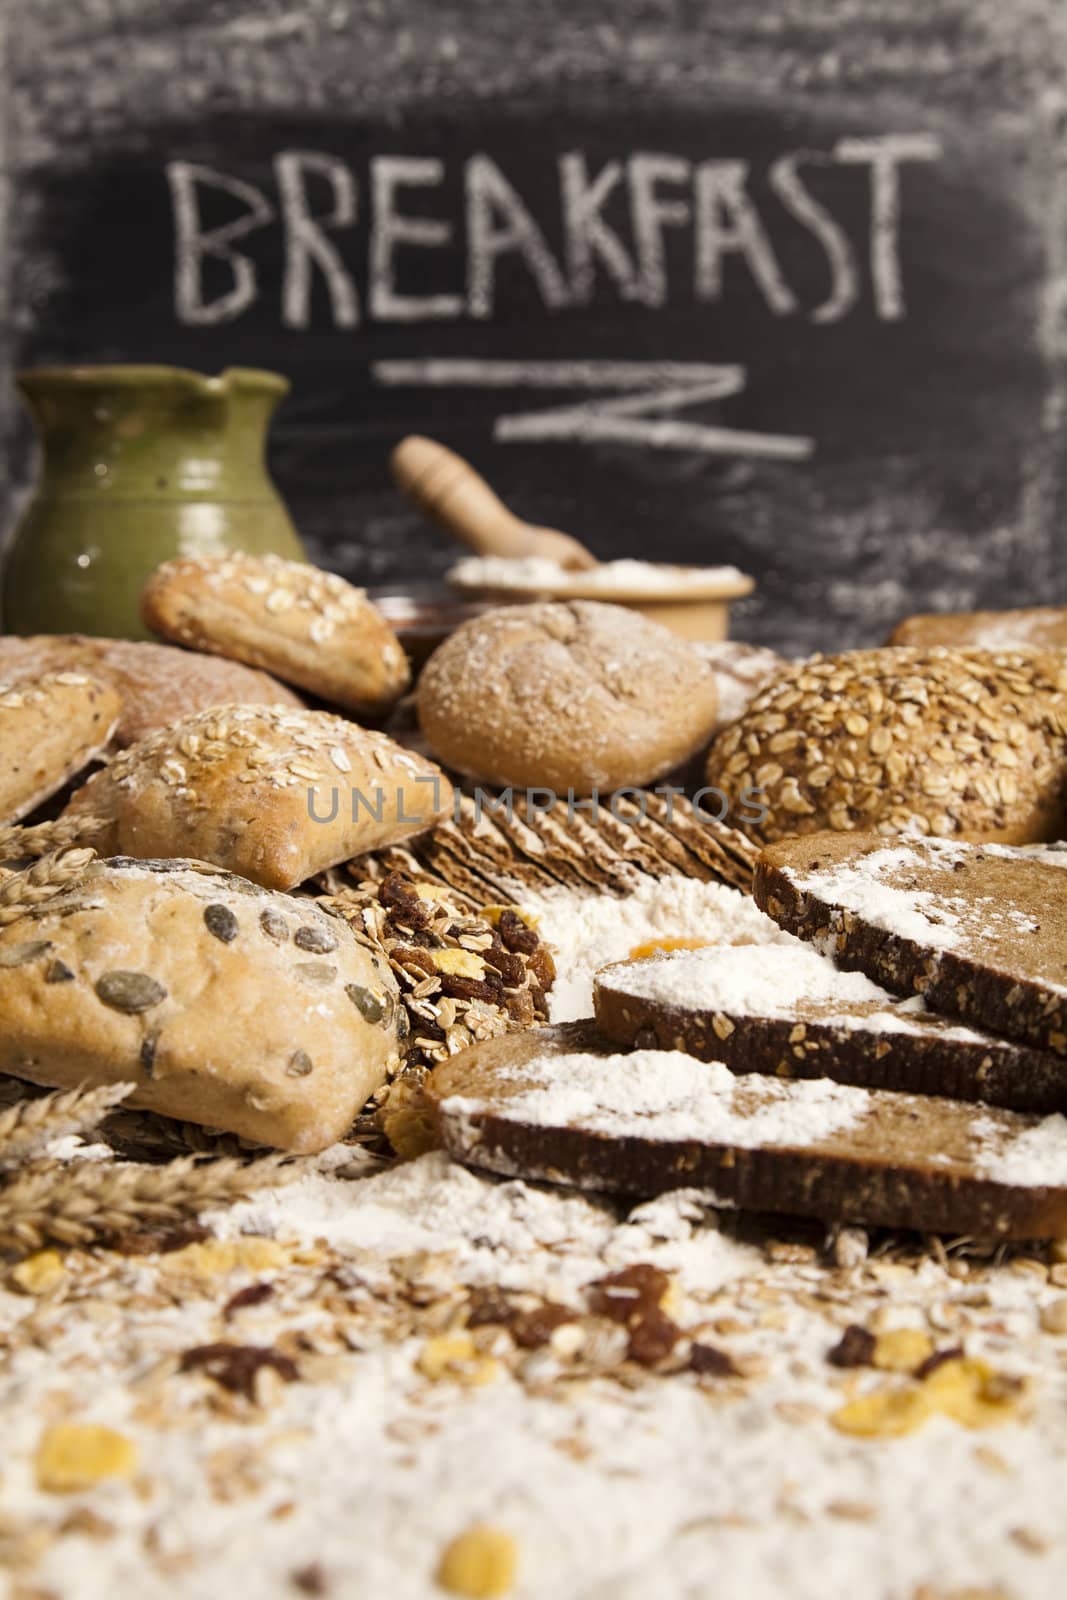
(308, 627)
(566, 696)
(971, 743)
(157, 683)
(225, 1005)
(1028, 628)
(274, 795)
(927, 1056)
(51, 727)
(909, 1164)
(1008, 971)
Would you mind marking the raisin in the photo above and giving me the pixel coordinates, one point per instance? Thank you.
(631, 1293)
(515, 934)
(531, 1329)
(458, 988)
(653, 1335)
(234, 1366)
(705, 1358)
(854, 1349)
(511, 968)
(254, 1295)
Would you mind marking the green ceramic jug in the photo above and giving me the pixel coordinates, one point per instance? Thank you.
(138, 464)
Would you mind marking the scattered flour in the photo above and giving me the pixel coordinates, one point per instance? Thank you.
(586, 931)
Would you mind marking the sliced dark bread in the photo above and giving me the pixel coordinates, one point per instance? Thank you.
(980, 931)
(556, 1104)
(784, 1009)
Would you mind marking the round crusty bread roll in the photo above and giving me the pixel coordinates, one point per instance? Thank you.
(955, 743)
(569, 695)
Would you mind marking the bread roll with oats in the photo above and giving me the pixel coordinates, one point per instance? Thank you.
(571, 695)
(224, 1004)
(964, 743)
(305, 626)
(51, 727)
(156, 683)
(271, 794)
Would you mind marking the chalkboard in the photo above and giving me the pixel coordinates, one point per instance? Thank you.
(706, 282)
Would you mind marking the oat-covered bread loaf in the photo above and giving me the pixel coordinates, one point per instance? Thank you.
(50, 728)
(947, 742)
(1032, 628)
(157, 683)
(566, 695)
(304, 625)
(272, 794)
(226, 1005)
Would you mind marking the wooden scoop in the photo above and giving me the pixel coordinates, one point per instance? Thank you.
(448, 490)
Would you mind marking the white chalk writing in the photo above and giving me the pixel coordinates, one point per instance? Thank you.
(722, 212)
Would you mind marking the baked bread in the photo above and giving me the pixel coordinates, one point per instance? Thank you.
(560, 1105)
(306, 626)
(226, 1005)
(566, 696)
(51, 727)
(1032, 628)
(980, 931)
(157, 684)
(272, 794)
(943, 742)
(740, 670)
(785, 1010)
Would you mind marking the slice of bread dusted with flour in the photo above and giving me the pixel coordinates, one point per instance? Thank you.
(224, 1004)
(51, 727)
(559, 1105)
(786, 1010)
(980, 931)
(272, 794)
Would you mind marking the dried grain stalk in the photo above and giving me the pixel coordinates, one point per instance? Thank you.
(21, 891)
(87, 1201)
(29, 1124)
(47, 838)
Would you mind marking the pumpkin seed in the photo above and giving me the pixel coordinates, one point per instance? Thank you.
(315, 971)
(58, 972)
(221, 923)
(319, 941)
(300, 1064)
(149, 1045)
(274, 926)
(130, 992)
(17, 955)
(366, 1002)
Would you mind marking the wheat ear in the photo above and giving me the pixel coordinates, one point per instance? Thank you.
(29, 1124)
(45, 838)
(77, 1203)
(48, 877)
